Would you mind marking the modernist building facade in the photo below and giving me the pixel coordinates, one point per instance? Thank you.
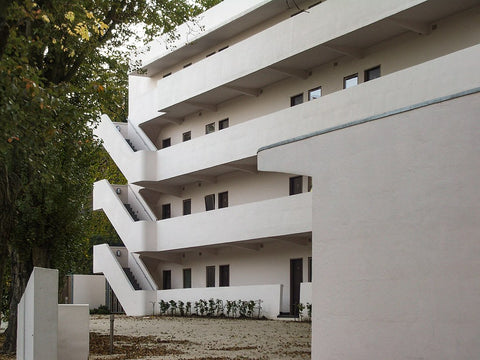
(198, 218)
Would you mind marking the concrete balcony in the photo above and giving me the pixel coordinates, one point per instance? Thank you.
(269, 218)
(318, 38)
(219, 152)
(266, 219)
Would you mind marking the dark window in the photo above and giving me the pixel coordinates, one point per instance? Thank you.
(310, 184)
(210, 202)
(187, 136)
(223, 124)
(209, 128)
(223, 199)
(167, 74)
(296, 185)
(187, 207)
(166, 211)
(311, 6)
(210, 276)
(349, 81)
(224, 275)
(187, 278)
(296, 100)
(167, 279)
(213, 53)
(372, 73)
(314, 93)
(309, 269)
(187, 65)
(166, 143)
(223, 48)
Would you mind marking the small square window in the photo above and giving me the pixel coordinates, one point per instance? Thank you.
(209, 128)
(166, 143)
(210, 202)
(296, 185)
(223, 124)
(166, 211)
(314, 93)
(296, 99)
(349, 81)
(223, 199)
(187, 207)
(372, 73)
(187, 136)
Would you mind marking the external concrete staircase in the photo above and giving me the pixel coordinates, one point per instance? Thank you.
(132, 279)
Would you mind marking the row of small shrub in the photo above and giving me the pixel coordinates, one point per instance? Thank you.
(212, 308)
(301, 308)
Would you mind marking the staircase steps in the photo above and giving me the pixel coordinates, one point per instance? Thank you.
(131, 278)
(131, 212)
(131, 145)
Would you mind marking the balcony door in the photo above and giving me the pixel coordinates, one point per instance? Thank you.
(296, 278)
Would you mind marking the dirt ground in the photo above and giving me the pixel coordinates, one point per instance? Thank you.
(191, 338)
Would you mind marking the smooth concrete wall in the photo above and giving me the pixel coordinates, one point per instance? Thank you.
(395, 245)
(270, 296)
(247, 266)
(88, 289)
(37, 321)
(73, 332)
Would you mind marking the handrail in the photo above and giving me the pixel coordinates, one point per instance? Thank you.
(141, 203)
(143, 273)
(141, 138)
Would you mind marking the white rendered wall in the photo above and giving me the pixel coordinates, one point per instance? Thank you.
(73, 332)
(37, 322)
(395, 245)
(88, 289)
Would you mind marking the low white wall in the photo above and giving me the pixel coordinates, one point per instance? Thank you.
(269, 294)
(73, 332)
(37, 321)
(89, 289)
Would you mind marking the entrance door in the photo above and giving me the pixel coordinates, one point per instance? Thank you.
(296, 277)
(167, 279)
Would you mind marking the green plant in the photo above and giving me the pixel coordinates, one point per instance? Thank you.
(229, 307)
(181, 307)
(211, 307)
(219, 305)
(188, 308)
(173, 307)
(163, 307)
(309, 310)
(102, 309)
(300, 308)
(250, 307)
(242, 308)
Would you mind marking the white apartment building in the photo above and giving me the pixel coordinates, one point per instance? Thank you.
(198, 219)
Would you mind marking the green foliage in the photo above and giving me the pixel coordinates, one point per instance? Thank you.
(63, 64)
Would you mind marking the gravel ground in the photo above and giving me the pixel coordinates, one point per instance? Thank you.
(192, 338)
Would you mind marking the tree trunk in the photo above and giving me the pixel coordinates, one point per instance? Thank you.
(21, 269)
(3, 267)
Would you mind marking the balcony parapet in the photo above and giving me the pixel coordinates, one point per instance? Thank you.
(269, 218)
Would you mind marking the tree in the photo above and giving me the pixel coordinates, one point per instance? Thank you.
(61, 66)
